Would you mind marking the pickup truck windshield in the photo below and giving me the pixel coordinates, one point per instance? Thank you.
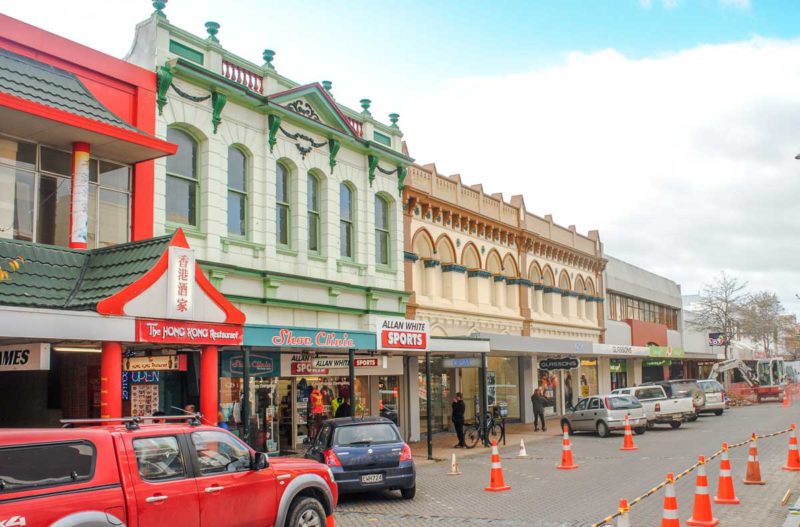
(366, 434)
(623, 402)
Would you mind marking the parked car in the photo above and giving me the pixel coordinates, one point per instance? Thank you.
(604, 414)
(715, 396)
(153, 474)
(366, 454)
(659, 408)
(676, 388)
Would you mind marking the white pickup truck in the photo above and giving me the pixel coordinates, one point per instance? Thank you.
(659, 408)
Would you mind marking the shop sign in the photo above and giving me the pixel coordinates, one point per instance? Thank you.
(154, 363)
(402, 334)
(657, 362)
(359, 362)
(180, 283)
(718, 339)
(618, 349)
(292, 337)
(668, 352)
(564, 363)
(25, 357)
(302, 365)
(261, 365)
(462, 362)
(180, 332)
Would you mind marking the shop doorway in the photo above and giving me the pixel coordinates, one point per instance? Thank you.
(619, 373)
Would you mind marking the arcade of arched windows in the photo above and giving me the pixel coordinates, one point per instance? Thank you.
(464, 278)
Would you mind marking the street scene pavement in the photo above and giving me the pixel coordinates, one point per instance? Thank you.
(542, 496)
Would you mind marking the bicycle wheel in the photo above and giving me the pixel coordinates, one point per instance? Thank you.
(494, 430)
(472, 437)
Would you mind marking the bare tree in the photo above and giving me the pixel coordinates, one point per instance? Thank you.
(718, 308)
(763, 320)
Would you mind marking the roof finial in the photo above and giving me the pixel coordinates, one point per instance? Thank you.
(160, 5)
(268, 55)
(327, 85)
(393, 117)
(212, 28)
(365, 103)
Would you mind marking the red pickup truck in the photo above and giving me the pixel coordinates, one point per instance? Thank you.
(143, 475)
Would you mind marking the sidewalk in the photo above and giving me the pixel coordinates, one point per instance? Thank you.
(443, 442)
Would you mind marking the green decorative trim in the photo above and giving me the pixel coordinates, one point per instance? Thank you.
(163, 81)
(238, 242)
(159, 5)
(274, 123)
(430, 263)
(270, 287)
(215, 276)
(285, 251)
(520, 281)
(550, 289)
(349, 263)
(218, 100)
(382, 138)
(212, 28)
(570, 293)
(402, 172)
(538, 287)
(478, 273)
(186, 52)
(296, 304)
(499, 278)
(189, 230)
(372, 164)
(454, 268)
(333, 148)
(409, 256)
(372, 301)
(334, 292)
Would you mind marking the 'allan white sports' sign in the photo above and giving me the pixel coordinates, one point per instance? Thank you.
(402, 334)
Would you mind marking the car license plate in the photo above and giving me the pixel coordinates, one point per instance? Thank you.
(372, 478)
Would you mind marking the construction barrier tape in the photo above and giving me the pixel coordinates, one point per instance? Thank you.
(608, 519)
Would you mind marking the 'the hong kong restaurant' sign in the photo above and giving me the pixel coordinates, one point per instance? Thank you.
(183, 332)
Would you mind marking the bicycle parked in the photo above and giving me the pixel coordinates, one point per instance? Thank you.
(495, 430)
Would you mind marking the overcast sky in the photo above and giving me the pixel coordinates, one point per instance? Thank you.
(670, 126)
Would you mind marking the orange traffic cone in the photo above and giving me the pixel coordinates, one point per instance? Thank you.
(330, 522)
(496, 481)
(623, 520)
(627, 442)
(793, 461)
(785, 399)
(753, 474)
(566, 453)
(701, 515)
(670, 516)
(725, 492)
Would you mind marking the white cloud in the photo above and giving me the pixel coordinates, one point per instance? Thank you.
(684, 162)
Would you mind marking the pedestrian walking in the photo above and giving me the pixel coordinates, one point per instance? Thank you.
(538, 401)
(458, 419)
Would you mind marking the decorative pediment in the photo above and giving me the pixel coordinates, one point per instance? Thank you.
(314, 103)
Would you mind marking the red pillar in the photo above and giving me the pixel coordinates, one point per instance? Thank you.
(111, 380)
(79, 198)
(209, 384)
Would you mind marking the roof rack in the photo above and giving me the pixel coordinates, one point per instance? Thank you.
(132, 422)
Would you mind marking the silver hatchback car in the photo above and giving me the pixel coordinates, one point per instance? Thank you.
(604, 414)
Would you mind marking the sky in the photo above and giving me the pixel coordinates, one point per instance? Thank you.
(670, 126)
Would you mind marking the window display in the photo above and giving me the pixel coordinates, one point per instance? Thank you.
(588, 377)
(619, 373)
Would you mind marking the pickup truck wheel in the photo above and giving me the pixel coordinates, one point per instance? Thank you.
(650, 425)
(602, 429)
(307, 512)
(409, 493)
(718, 412)
(692, 418)
(675, 424)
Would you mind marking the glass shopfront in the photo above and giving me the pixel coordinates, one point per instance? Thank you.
(552, 385)
(653, 369)
(588, 377)
(619, 373)
(441, 395)
(502, 386)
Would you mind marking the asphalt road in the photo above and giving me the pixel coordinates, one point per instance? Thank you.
(542, 496)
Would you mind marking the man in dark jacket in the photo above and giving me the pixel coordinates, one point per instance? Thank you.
(458, 419)
(539, 402)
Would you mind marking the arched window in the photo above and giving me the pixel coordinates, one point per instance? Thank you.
(283, 207)
(182, 181)
(313, 206)
(382, 237)
(346, 221)
(237, 192)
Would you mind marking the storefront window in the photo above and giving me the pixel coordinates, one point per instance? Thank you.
(502, 383)
(653, 369)
(588, 377)
(334, 392)
(619, 373)
(440, 396)
(389, 402)
(551, 385)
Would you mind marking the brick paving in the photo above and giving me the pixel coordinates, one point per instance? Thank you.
(542, 496)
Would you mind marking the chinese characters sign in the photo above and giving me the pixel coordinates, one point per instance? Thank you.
(180, 283)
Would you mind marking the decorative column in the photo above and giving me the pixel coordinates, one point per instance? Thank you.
(432, 278)
(79, 200)
(111, 380)
(582, 313)
(209, 384)
(538, 298)
(454, 278)
(499, 284)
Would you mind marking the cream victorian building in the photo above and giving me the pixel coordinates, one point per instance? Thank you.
(292, 204)
(480, 266)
